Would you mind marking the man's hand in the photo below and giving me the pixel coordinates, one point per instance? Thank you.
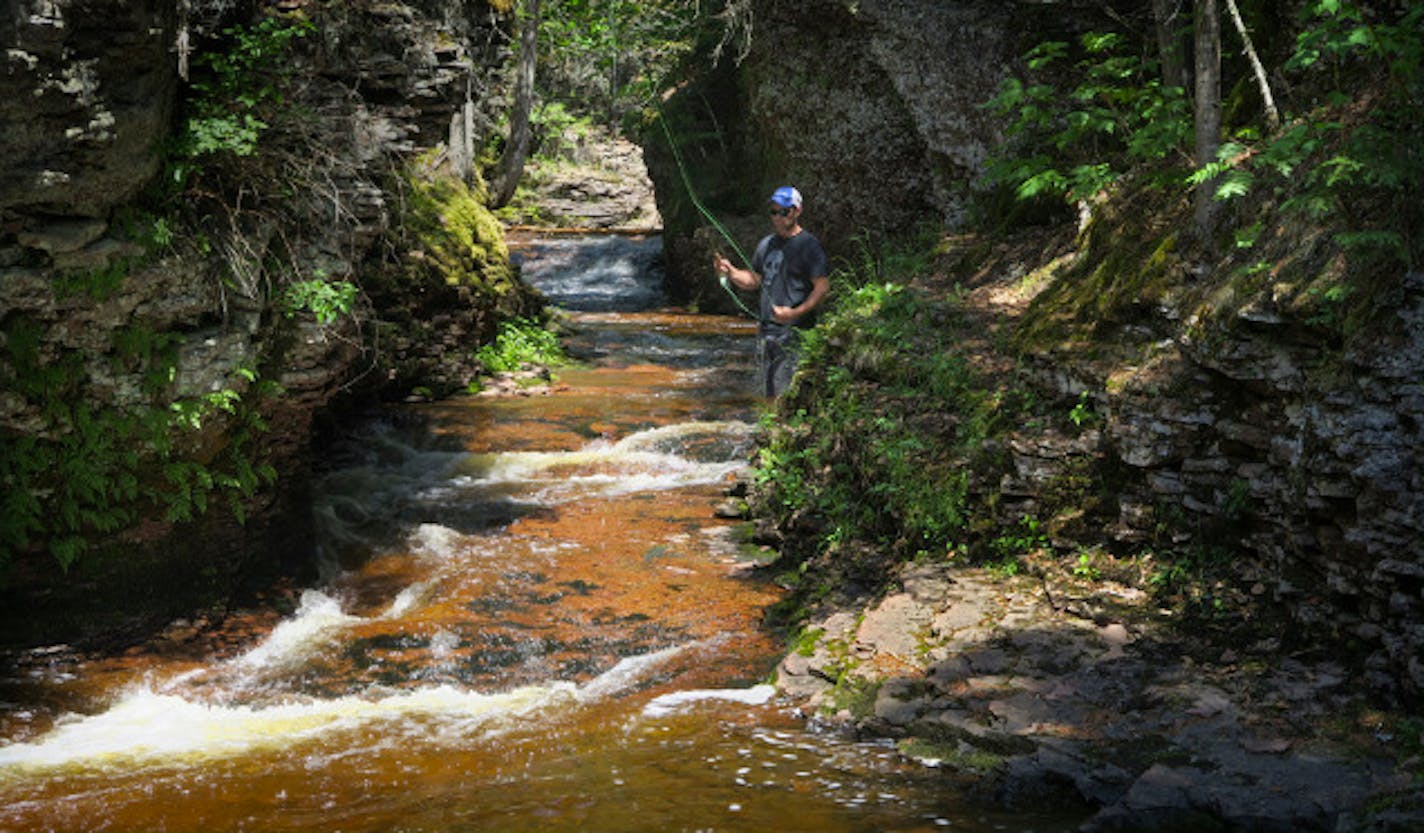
(784, 315)
(741, 278)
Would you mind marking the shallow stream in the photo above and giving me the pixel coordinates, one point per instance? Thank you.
(531, 621)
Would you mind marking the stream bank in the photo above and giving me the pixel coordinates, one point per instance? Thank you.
(1069, 674)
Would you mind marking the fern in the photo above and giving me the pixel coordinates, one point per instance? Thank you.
(91, 470)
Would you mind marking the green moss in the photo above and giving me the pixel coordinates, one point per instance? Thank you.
(954, 756)
(451, 228)
(805, 642)
(854, 695)
(1126, 270)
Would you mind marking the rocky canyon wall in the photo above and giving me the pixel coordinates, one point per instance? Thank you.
(91, 102)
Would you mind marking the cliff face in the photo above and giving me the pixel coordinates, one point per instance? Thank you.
(1242, 423)
(91, 311)
(872, 109)
(1234, 414)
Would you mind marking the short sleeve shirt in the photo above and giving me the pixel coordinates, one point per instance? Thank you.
(787, 266)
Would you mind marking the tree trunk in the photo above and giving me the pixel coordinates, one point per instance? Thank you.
(1167, 17)
(1268, 101)
(511, 162)
(1207, 24)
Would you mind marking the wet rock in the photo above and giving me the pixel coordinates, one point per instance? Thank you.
(86, 103)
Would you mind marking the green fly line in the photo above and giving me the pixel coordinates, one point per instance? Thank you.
(706, 213)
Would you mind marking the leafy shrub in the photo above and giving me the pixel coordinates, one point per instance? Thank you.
(234, 92)
(521, 342)
(1075, 131)
(326, 300)
(1348, 155)
(884, 475)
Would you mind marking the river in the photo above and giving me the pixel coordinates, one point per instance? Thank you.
(530, 621)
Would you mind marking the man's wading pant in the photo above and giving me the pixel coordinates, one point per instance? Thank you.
(779, 355)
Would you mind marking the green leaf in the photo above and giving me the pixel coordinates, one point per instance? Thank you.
(1234, 183)
(1044, 182)
(67, 550)
(1388, 242)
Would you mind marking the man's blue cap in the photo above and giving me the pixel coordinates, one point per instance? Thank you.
(787, 197)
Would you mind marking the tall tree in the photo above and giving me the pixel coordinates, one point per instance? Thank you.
(1207, 113)
(516, 149)
(1167, 20)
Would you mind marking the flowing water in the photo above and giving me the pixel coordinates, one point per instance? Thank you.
(531, 622)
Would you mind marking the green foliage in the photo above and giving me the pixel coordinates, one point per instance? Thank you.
(1237, 501)
(1075, 131)
(872, 474)
(612, 55)
(326, 300)
(1341, 161)
(805, 642)
(886, 261)
(1194, 579)
(97, 284)
(1024, 539)
(1086, 568)
(854, 695)
(139, 349)
(156, 233)
(1082, 414)
(1089, 114)
(1371, 172)
(237, 85)
(558, 131)
(1011, 544)
(90, 472)
(521, 342)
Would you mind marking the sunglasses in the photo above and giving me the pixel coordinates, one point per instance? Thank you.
(781, 212)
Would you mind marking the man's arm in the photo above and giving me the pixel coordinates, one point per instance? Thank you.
(788, 315)
(741, 278)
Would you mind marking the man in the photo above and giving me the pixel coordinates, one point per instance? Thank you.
(790, 267)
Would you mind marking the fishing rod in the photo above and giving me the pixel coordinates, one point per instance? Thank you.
(707, 213)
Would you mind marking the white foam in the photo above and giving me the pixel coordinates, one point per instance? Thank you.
(649, 460)
(149, 726)
(317, 615)
(666, 704)
(627, 672)
(436, 541)
(162, 727)
(408, 599)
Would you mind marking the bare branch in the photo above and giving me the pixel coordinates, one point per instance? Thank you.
(1273, 116)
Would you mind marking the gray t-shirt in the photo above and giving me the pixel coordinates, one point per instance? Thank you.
(787, 266)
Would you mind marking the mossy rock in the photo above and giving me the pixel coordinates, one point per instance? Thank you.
(450, 230)
(447, 286)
